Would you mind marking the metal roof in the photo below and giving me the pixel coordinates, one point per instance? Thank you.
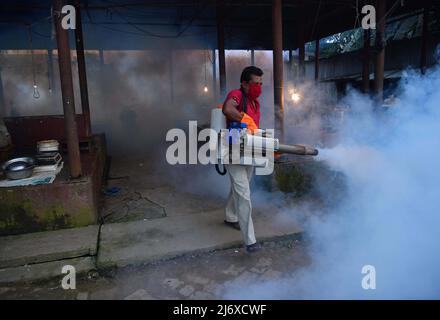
(148, 24)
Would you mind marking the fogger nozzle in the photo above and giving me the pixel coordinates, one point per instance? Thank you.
(299, 149)
(265, 143)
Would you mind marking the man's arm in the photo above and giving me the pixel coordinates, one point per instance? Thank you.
(231, 112)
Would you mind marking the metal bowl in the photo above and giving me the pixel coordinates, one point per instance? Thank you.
(19, 168)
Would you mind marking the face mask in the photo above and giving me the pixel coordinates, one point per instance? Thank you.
(254, 91)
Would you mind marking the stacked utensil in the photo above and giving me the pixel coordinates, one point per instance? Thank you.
(48, 157)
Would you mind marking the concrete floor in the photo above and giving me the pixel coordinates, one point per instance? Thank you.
(174, 210)
(206, 276)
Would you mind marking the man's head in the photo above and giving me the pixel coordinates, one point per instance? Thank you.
(251, 80)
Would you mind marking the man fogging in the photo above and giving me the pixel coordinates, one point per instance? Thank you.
(241, 146)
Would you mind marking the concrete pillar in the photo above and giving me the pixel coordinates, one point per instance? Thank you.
(82, 74)
(380, 47)
(64, 61)
(252, 57)
(277, 38)
(221, 47)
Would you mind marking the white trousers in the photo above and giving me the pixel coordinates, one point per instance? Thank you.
(239, 207)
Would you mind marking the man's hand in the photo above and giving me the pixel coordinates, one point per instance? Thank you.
(251, 126)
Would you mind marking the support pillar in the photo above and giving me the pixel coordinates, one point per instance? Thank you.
(277, 38)
(65, 67)
(301, 55)
(221, 47)
(366, 62)
(317, 60)
(424, 45)
(214, 74)
(82, 74)
(290, 66)
(380, 47)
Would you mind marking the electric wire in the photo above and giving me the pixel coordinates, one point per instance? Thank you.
(36, 94)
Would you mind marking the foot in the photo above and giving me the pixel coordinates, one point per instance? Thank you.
(234, 225)
(253, 247)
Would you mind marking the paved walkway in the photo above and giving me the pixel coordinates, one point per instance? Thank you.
(147, 221)
(199, 228)
(139, 242)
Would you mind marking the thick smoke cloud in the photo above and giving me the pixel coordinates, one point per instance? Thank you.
(390, 216)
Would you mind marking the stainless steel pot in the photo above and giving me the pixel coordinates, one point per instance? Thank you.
(19, 168)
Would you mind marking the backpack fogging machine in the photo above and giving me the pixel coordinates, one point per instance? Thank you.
(256, 148)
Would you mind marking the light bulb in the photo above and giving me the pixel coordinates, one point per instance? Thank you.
(295, 97)
(205, 89)
(36, 94)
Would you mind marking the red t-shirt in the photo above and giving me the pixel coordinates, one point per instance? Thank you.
(253, 107)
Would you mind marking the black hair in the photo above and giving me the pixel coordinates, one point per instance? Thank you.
(248, 71)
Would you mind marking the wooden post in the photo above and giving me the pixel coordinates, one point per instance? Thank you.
(380, 46)
(82, 74)
(277, 37)
(214, 75)
(301, 48)
(366, 62)
(290, 66)
(317, 60)
(424, 46)
(221, 47)
(67, 91)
